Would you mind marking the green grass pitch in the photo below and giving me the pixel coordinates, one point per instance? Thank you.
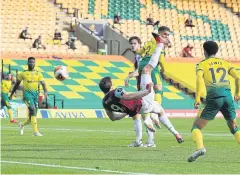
(99, 146)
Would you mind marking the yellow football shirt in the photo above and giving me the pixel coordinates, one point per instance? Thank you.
(148, 49)
(30, 80)
(6, 86)
(215, 75)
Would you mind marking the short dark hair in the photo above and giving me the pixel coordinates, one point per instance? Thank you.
(31, 58)
(163, 28)
(105, 84)
(210, 47)
(136, 38)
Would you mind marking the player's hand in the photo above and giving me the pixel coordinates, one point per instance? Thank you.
(165, 41)
(126, 83)
(197, 103)
(237, 98)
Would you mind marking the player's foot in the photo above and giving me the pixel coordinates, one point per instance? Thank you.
(149, 125)
(37, 134)
(13, 121)
(196, 154)
(155, 120)
(152, 145)
(136, 144)
(21, 128)
(179, 138)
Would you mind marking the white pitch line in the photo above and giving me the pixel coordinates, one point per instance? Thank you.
(71, 167)
(69, 129)
(129, 131)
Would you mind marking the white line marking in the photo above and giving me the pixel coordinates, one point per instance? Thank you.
(71, 167)
(129, 131)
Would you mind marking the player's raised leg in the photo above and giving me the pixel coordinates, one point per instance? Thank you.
(146, 71)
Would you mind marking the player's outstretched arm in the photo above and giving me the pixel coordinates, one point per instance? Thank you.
(44, 88)
(15, 87)
(130, 75)
(122, 94)
(114, 115)
(199, 88)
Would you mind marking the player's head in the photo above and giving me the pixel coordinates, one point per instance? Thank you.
(135, 43)
(164, 32)
(31, 63)
(210, 48)
(105, 84)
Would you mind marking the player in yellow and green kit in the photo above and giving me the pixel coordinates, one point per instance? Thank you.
(31, 79)
(214, 73)
(150, 68)
(6, 88)
(146, 54)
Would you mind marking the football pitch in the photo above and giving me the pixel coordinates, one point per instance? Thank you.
(99, 146)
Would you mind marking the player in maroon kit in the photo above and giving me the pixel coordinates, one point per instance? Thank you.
(118, 103)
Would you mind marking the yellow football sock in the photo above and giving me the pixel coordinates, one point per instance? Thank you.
(158, 98)
(197, 138)
(10, 113)
(237, 136)
(34, 123)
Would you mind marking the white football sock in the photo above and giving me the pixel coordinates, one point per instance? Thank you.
(166, 122)
(145, 79)
(150, 137)
(138, 129)
(155, 56)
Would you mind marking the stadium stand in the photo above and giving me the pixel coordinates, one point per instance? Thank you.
(40, 17)
(234, 5)
(81, 90)
(212, 21)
